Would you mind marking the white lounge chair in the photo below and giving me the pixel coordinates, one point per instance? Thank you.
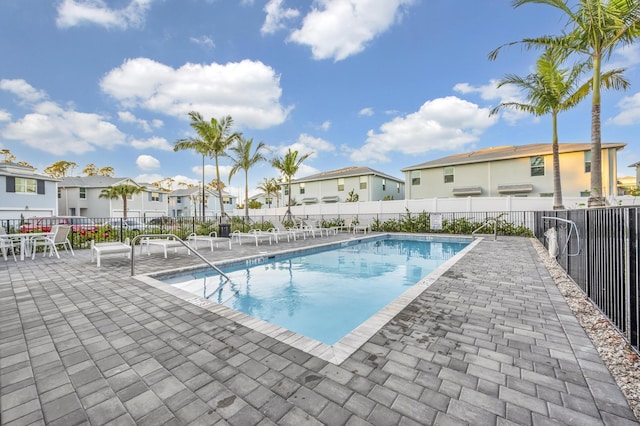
(311, 227)
(364, 227)
(253, 235)
(165, 243)
(211, 239)
(99, 249)
(280, 230)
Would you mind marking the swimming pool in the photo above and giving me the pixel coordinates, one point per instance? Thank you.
(327, 299)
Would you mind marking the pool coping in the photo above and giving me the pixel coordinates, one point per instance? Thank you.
(340, 351)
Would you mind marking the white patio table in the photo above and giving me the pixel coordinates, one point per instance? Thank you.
(23, 238)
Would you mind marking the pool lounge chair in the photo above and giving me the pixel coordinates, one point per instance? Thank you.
(100, 249)
(193, 239)
(59, 235)
(165, 243)
(311, 227)
(253, 235)
(279, 230)
(364, 227)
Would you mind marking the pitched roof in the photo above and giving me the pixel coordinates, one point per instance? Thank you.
(506, 153)
(345, 172)
(93, 181)
(15, 169)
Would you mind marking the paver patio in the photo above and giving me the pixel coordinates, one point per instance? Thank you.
(490, 342)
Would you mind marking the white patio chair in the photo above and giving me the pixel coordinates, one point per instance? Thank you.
(7, 244)
(311, 227)
(59, 235)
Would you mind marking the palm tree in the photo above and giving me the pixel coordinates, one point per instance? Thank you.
(244, 159)
(598, 27)
(214, 137)
(550, 90)
(289, 166)
(123, 191)
(270, 187)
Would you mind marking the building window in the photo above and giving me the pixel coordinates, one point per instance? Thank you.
(227, 200)
(363, 182)
(384, 184)
(398, 188)
(25, 185)
(302, 188)
(537, 166)
(341, 184)
(587, 161)
(178, 200)
(286, 190)
(83, 193)
(268, 201)
(415, 177)
(448, 175)
(155, 196)
(59, 193)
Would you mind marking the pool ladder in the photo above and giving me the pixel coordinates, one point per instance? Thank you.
(178, 239)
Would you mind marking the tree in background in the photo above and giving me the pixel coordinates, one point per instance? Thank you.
(288, 166)
(91, 170)
(596, 29)
(243, 159)
(552, 89)
(270, 187)
(60, 169)
(123, 191)
(214, 137)
(8, 156)
(165, 184)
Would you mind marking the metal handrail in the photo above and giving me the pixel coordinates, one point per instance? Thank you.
(486, 223)
(176, 238)
(573, 226)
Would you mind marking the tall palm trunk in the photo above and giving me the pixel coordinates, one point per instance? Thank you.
(557, 186)
(596, 198)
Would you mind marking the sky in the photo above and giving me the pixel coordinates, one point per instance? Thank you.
(385, 84)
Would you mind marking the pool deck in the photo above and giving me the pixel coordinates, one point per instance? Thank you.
(490, 342)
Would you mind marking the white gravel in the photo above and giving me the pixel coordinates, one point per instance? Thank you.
(619, 357)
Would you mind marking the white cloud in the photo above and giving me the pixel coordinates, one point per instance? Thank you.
(5, 115)
(148, 178)
(178, 179)
(506, 93)
(248, 91)
(210, 172)
(204, 41)
(128, 117)
(443, 124)
(340, 28)
(155, 142)
(147, 162)
(326, 125)
(53, 129)
(276, 15)
(23, 90)
(307, 145)
(366, 112)
(630, 115)
(72, 13)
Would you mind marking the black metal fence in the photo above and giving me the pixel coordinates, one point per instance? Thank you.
(598, 248)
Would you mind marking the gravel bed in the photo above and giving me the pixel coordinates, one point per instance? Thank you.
(619, 357)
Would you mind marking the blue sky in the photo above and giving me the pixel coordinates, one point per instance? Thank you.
(381, 83)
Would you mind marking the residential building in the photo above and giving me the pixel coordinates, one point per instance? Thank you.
(342, 185)
(522, 171)
(80, 196)
(267, 202)
(24, 192)
(187, 202)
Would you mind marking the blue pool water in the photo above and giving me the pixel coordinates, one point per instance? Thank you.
(326, 294)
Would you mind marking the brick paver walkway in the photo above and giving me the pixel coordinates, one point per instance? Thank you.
(491, 342)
